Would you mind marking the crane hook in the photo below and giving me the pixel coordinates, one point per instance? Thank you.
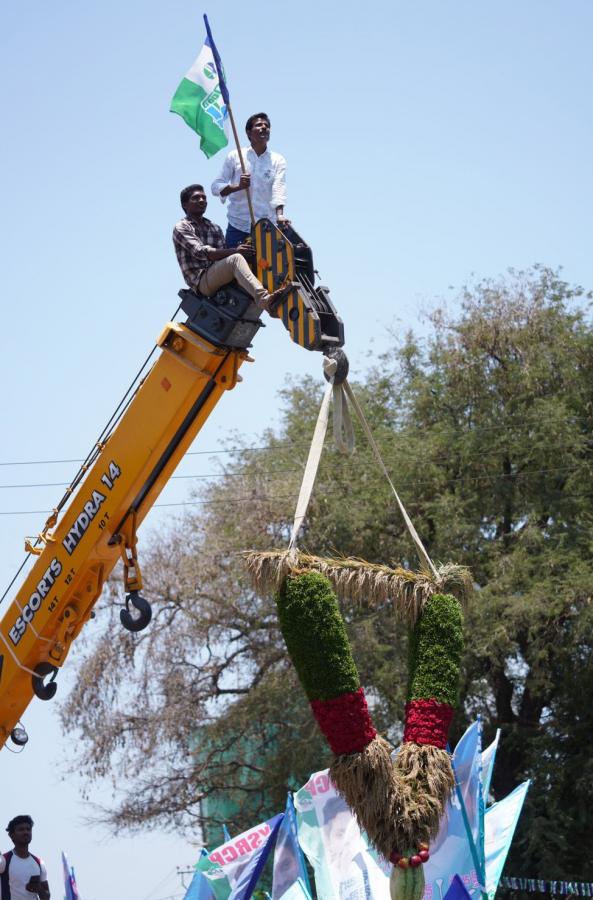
(41, 689)
(139, 620)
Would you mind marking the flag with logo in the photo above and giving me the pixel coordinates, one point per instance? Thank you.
(233, 869)
(289, 863)
(70, 888)
(342, 861)
(202, 98)
(501, 821)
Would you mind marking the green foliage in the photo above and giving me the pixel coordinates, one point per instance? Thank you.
(436, 648)
(315, 636)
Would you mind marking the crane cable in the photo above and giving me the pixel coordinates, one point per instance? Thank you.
(344, 439)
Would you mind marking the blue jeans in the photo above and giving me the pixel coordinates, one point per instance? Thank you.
(234, 237)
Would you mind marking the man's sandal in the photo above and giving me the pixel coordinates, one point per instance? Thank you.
(277, 296)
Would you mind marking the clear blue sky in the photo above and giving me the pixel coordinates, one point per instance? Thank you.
(426, 141)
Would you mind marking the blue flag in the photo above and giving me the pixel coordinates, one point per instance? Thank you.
(289, 862)
(501, 821)
(247, 880)
(488, 757)
(454, 851)
(457, 890)
(233, 869)
(199, 888)
(70, 889)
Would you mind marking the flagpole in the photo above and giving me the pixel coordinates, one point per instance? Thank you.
(241, 160)
(225, 96)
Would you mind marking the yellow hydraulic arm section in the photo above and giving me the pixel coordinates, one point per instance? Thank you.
(198, 362)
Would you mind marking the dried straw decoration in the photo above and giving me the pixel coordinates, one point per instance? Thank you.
(366, 583)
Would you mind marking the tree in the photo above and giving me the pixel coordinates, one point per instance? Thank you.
(486, 426)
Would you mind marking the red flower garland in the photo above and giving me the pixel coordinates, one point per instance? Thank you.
(345, 721)
(427, 722)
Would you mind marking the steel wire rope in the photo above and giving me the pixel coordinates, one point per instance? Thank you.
(93, 453)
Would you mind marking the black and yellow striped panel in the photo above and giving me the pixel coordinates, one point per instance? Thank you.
(301, 322)
(275, 266)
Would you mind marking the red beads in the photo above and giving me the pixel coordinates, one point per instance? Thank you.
(412, 861)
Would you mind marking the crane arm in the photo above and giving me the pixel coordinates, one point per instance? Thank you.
(198, 362)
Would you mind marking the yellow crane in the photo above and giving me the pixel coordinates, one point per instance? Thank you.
(97, 522)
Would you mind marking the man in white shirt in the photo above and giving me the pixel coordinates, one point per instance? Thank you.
(21, 873)
(265, 179)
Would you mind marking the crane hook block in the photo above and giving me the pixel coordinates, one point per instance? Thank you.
(138, 620)
(42, 689)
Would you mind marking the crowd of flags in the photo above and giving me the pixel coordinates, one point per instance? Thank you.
(467, 857)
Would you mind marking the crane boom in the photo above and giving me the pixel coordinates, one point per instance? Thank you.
(198, 361)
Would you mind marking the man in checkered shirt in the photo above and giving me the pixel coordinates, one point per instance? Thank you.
(206, 264)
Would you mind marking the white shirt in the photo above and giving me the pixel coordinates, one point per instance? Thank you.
(19, 872)
(268, 186)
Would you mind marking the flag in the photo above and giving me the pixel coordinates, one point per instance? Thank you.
(290, 877)
(199, 888)
(457, 890)
(202, 99)
(70, 888)
(467, 765)
(451, 851)
(233, 869)
(344, 864)
(488, 757)
(346, 867)
(501, 821)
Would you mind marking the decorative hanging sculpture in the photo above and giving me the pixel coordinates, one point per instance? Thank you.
(398, 798)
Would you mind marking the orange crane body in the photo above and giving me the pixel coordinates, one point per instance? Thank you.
(97, 526)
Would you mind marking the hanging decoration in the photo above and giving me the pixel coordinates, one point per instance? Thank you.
(397, 802)
(398, 799)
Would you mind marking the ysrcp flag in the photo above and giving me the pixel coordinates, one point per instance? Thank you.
(501, 821)
(344, 865)
(233, 869)
(201, 100)
(290, 877)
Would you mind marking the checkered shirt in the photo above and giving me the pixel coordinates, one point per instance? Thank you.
(192, 239)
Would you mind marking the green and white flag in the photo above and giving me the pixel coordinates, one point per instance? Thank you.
(199, 100)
